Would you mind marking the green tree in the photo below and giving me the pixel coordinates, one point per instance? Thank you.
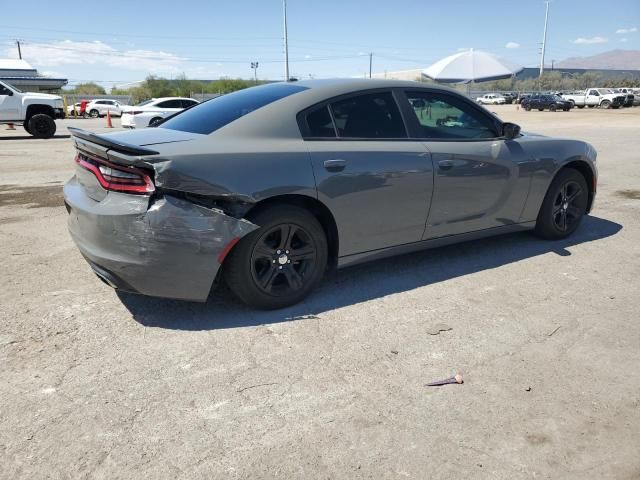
(89, 88)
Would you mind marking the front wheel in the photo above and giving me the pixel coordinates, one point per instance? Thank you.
(41, 125)
(605, 104)
(564, 205)
(552, 108)
(278, 264)
(527, 108)
(94, 113)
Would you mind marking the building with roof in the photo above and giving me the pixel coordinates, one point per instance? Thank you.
(23, 76)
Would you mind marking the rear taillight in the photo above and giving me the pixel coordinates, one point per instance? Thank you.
(116, 177)
(135, 112)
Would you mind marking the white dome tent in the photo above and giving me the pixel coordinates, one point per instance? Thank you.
(471, 66)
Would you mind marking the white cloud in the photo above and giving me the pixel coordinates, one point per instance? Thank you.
(68, 52)
(627, 30)
(624, 40)
(512, 45)
(590, 41)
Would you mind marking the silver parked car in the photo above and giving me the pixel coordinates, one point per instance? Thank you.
(269, 187)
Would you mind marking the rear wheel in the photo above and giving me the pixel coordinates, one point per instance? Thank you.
(281, 262)
(552, 108)
(564, 205)
(41, 125)
(580, 106)
(94, 113)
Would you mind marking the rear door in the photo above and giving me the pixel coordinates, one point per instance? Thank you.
(376, 181)
(478, 183)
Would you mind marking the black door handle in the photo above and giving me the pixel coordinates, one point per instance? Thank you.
(336, 165)
(445, 164)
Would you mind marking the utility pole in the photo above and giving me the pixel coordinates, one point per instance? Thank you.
(286, 43)
(544, 38)
(19, 50)
(552, 64)
(254, 66)
(370, 63)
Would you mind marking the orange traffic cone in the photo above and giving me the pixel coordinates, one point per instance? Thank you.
(10, 126)
(109, 125)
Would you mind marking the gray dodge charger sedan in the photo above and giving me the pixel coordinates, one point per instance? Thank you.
(269, 187)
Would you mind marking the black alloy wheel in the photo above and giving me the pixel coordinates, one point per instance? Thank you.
(564, 205)
(282, 259)
(278, 264)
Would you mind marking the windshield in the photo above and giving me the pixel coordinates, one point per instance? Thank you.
(604, 91)
(11, 87)
(218, 112)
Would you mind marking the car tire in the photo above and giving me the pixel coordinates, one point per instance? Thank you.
(263, 278)
(155, 121)
(605, 104)
(541, 109)
(564, 205)
(42, 125)
(552, 108)
(94, 113)
(572, 102)
(580, 106)
(527, 108)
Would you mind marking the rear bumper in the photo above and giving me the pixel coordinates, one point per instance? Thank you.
(169, 249)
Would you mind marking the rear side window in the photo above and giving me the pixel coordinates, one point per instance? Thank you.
(320, 124)
(374, 115)
(170, 104)
(218, 112)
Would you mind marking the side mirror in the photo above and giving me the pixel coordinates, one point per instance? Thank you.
(510, 130)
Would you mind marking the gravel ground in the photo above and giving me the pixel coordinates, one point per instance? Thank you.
(546, 334)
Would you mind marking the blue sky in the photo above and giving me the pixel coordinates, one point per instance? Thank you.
(122, 41)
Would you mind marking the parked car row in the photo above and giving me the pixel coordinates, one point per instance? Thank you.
(148, 113)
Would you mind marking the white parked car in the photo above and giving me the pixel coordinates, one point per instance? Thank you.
(70, 108)
(153, 111)
(100, 107)
(491, 99)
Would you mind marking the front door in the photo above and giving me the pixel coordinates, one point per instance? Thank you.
(9, 104)
(478, 183)
(376, 182)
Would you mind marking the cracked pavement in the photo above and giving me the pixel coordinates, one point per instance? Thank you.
(97, 384)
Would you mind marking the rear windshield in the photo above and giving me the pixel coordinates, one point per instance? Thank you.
(218, 112)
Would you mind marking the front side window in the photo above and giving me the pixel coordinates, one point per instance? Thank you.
(208, 117)
(445, 117)
(374, 115)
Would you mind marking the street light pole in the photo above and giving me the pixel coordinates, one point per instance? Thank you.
(370, 63)
(544, 38)
(254, 66)
(286, 42)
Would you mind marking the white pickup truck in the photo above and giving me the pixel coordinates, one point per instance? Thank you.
(35, 111)
(596, 97)
(491, 99)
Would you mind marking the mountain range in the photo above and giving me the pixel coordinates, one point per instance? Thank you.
(612, 60)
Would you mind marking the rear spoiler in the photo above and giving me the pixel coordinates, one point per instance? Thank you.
(110, 144)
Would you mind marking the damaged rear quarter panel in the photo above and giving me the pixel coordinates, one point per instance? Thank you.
(169, 250)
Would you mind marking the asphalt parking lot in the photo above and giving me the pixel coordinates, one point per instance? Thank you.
(546, 335)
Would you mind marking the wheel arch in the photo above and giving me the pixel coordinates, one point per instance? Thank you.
(317, 209)
(587, 172)
(39, 108)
